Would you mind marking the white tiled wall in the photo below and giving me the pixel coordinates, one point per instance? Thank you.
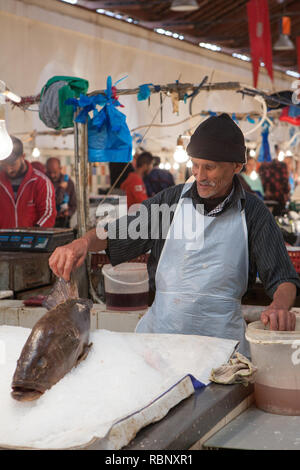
(14, 313)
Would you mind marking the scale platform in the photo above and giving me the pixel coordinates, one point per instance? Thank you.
(37, 239)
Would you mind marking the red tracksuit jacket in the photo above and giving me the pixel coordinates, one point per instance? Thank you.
(35, 202)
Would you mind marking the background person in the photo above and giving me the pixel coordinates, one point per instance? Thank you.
(158, 179)
(134, 185)
(27, 196)
(275, 180)
(65, 195)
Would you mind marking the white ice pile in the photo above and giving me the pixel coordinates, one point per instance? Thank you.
(122, 374)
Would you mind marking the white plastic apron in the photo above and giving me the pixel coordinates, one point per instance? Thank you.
(200, 281)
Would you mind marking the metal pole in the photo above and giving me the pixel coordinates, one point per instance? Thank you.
(81, 172)
(81, 185)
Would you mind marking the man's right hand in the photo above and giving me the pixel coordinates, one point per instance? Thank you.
(67, 258)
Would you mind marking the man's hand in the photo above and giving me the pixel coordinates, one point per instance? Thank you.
(279, 319)
(67, 258)
(278, 314)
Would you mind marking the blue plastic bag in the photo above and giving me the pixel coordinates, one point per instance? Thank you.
(109, 139)
(264, 153)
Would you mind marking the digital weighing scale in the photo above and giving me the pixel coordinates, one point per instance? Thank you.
(34, 239)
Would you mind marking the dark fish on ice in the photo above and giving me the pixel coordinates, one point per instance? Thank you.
(57, 343)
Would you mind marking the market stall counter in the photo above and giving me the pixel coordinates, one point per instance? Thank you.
(193, 421)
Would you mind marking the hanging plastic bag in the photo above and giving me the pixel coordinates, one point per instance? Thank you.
(109, 139)
(264, 153)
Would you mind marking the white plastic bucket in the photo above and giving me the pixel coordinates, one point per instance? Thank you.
(126, 286)
(276, 354)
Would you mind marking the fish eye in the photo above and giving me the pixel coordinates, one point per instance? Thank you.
(42, 362)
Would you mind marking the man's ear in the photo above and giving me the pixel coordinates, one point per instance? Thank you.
(238, 167)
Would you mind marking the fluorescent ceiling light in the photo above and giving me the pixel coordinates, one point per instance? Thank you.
(169, 33)
(241, 57)
(211, 47)
(292, 73)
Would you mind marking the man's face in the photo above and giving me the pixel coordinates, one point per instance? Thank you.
(149, 168)
(146, 168)
(15, 168)
(214, 179)
(53, 171)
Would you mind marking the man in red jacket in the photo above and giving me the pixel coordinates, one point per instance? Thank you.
(27, 196)
(134, 184)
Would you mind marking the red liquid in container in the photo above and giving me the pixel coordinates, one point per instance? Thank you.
(277, 400)
(137, 301)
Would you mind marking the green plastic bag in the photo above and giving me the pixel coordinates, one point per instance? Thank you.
(52, 110)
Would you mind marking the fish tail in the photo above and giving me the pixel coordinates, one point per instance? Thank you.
(61, 292)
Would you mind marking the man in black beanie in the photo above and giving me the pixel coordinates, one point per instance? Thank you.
(217, 150)
(218, 238)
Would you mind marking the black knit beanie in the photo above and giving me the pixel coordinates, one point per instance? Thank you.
(218, 138)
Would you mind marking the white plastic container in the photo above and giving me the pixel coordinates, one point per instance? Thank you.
(276, 354)
(126, 286)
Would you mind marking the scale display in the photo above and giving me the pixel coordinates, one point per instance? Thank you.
(36, 240)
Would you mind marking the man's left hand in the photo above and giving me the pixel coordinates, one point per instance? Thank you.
(279, 319)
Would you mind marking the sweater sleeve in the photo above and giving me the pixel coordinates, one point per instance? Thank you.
(134, 235)
(268, 250)
(45, 203)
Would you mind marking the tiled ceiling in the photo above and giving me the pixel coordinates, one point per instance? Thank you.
(221, 23)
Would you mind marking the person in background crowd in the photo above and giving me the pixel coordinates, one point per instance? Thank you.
(252, 178)
(158, 179)
(65, 195)
(275, 181)
(134, 185)
(27, 196)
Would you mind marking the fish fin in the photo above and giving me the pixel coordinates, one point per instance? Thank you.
(61, 292)
(84, 353)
